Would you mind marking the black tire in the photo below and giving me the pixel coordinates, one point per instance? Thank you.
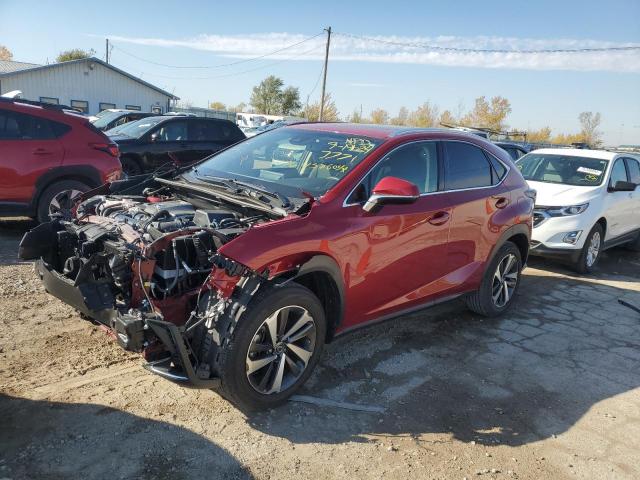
(52, 191)
(584, 264)
(130, 166)
(481, 301)
(231, 362)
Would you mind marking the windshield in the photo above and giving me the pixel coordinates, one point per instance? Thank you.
(106, 119)
(291, 159)
(564, 169)
(138, 128)
(102, 113)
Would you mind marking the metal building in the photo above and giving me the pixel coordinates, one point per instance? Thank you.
(89, 85)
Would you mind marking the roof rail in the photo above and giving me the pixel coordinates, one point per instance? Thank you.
(49, 106)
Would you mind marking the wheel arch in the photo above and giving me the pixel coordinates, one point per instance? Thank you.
(520, 235)
(86, 174)
(321, 274)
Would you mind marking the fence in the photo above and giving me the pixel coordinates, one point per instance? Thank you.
(207, 112)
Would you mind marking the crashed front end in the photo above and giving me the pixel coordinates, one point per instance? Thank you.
(148, 269)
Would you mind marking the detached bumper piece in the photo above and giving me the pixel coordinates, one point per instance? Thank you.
(95, 300)
(178, 367)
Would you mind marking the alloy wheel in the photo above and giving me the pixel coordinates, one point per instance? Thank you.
(63, 203)
(593, 250)
(505, 280)
(280, 350)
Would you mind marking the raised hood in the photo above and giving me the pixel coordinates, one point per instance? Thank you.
(562, 195)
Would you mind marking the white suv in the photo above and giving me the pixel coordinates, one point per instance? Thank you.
(587, 201)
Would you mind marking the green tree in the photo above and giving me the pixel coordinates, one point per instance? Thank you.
(290, 101)
(74, 54)
(265, 97)
(589, 123)
(379, 116)
(269, 97)
(217, 106)
(5, 53)
(330, 114)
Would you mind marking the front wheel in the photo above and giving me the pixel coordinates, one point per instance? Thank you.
(591, 251)
(499, 284)
(274, 348)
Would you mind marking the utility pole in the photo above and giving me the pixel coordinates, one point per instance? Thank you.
(107, 50)
(324, 75)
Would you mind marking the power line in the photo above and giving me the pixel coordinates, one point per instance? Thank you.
(233, 74)
(438, 48)
(219, 65)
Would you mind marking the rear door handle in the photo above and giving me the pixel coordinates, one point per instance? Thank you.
(42, 151)
(439, 218)
(501, 202)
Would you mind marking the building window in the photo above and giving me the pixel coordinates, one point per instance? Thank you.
(133, 107)
(51, 100)
(105, 106)
(156, 109)
(81, 105)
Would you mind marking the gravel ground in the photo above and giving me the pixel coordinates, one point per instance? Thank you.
(548, 391)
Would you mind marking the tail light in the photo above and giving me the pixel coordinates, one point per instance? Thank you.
(110, 148)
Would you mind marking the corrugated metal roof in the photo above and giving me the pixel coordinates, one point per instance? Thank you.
(9, 66)
(32, 67)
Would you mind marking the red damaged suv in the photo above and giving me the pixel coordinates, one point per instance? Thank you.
(234, 274)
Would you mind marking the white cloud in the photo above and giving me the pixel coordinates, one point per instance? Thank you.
(350, 49)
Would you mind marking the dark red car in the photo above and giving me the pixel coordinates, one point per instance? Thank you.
(234, 274)
(48, 155)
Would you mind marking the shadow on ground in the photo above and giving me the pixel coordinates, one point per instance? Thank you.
(565, 346)
(49, 440)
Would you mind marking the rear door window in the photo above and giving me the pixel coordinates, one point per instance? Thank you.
(466, 167)
(173, 131)
(212, 131)
(20, 126)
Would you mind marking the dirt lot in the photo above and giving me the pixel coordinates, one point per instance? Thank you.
(548, 391)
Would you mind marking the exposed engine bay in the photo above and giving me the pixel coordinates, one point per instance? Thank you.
(143, 265)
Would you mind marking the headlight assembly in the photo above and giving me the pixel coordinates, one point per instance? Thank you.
(568, 211)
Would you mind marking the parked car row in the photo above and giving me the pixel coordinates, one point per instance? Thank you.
(234, 274)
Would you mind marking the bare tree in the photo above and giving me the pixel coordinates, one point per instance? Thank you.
(589, 123)
(5, 53)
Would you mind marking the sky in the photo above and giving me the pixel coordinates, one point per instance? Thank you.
(382, 53)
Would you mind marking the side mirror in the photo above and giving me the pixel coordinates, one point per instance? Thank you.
(391, 190)
(622, 186)
(154, 137)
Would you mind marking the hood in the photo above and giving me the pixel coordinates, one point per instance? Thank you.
(562, 195)
(122, 139)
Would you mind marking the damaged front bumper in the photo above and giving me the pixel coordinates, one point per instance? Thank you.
(166, 346)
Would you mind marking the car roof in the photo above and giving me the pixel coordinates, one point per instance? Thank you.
(373, 131)
(579, 152)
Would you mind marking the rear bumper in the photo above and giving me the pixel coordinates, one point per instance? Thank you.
(564, 254)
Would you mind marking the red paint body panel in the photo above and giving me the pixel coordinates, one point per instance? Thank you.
(396, 258)
(25, 164)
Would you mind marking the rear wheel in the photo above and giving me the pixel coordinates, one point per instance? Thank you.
(591, 251)
(274, 348)
(59, 198)
(499, 284)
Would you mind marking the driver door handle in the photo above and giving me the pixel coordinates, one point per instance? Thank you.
(439, 218)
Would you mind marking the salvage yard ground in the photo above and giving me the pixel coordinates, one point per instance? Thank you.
(549, 391)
